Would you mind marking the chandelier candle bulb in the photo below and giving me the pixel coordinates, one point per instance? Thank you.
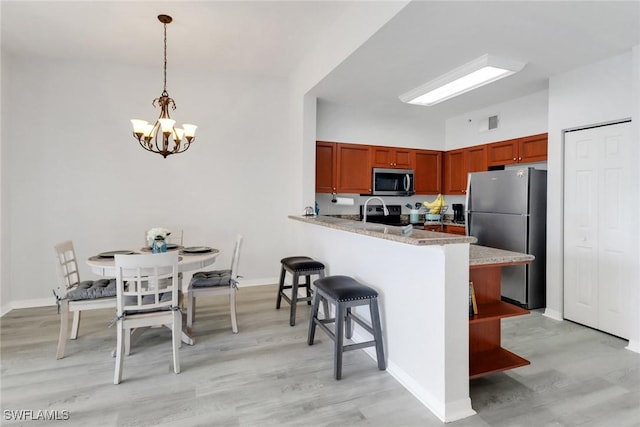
(167, 125)
(139, 127)
(178, 134)
(189, 131)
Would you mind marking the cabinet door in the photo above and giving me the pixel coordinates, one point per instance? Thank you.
(381, 157)
(476, 159)
(454, 229)
(354, 169)
(502, 153)
(428, 171)
(455, 172)
(402, 159)
(325, 167)
(390, 157)
(533, 148)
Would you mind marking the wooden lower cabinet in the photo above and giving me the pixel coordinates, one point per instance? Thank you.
(433, 227)
(454, 229)
(486, 355)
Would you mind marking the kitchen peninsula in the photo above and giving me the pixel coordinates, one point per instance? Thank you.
(422, 278)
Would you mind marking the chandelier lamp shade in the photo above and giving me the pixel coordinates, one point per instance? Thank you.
(163, 137)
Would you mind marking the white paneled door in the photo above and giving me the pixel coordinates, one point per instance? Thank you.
(600, 227)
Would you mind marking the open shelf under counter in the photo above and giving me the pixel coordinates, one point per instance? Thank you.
(496, 310)
(486, 354)
(494, 360)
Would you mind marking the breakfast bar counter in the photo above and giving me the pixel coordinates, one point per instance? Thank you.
(422, 278)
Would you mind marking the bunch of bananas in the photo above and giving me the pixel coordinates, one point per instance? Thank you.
(435, 206)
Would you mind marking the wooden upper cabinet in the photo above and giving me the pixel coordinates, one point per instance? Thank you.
(476, 159)
(502, 153)
(520, 150)
(326, 167)
(533, 148)
(391, 157)
(455, 171)
(458, 163)
(353, 168)
(428, 171)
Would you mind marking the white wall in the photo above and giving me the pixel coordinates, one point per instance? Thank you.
(79, 174)
(523, 116)
(341, 123)
(634, 342)
(601, 92)
(75, 171)
(5, 288)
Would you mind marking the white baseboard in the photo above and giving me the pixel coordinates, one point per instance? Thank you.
(449, 412)
(553, 314)
(633, 346)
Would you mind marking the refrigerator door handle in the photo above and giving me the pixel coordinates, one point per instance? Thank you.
(466, 204)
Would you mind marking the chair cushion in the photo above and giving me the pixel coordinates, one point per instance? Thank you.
(344, 288)
(93, 289)
(302, 263)
(208, 279)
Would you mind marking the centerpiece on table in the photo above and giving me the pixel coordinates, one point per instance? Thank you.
(158, 238)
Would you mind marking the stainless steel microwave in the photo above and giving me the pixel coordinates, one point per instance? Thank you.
(392, 182)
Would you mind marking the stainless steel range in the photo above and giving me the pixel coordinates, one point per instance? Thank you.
(376, 214)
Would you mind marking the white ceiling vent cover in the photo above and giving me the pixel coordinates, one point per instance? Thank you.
(488, 123)
(493, 122)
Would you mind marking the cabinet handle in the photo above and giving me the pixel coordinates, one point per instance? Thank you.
(514, 159)
(519, 158)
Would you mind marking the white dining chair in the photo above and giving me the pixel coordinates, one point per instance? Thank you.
(148, 294)
(216, 282)
(75, 296)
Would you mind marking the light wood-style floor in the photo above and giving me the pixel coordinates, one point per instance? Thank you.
(268, 376)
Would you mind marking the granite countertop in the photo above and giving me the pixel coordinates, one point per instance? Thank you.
(388, 232)
(478, 255)
(483, 255)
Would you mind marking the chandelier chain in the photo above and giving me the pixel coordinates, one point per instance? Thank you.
(165, 58)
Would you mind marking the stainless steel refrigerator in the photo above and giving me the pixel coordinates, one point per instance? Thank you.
(507, 209)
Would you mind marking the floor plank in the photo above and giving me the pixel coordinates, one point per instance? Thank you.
(268, 376)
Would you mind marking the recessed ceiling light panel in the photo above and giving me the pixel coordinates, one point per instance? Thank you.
(471, 75)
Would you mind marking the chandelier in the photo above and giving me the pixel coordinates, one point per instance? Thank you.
(163, 137)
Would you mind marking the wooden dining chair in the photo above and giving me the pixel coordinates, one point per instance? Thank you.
(217, 282)
(75, 296)
(148, 294)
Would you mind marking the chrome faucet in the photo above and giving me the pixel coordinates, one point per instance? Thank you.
(364, 209)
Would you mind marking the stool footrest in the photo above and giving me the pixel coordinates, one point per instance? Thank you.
(358, 345)
(304, 299)
(360, 322)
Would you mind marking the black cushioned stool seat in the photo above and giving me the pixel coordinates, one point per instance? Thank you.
(345, 292)
(297, 266)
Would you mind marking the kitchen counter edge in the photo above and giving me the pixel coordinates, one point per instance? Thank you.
(417, 237)
(478, 255)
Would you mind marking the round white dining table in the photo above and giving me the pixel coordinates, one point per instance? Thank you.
(106, 266)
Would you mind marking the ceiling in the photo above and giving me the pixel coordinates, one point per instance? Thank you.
(424, 40)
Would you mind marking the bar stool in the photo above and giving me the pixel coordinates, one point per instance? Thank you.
(297, 266)
(345, 292)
